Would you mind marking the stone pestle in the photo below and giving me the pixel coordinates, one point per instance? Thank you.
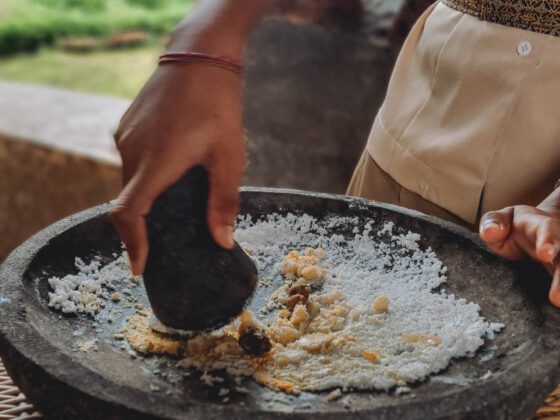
(193, 284)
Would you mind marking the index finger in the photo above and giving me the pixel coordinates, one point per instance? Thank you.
(134, 203)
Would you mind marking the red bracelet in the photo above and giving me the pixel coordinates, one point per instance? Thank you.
(193, 57)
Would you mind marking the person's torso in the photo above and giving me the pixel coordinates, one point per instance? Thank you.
(473, 107)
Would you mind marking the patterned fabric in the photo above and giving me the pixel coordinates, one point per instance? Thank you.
(541, 16)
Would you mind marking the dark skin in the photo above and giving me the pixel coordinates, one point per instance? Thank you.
(518, 232)
(190, 114)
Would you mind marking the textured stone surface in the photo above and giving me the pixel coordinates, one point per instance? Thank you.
(35, 341)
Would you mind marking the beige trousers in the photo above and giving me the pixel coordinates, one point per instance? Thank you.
(471, 120)
(369, 181)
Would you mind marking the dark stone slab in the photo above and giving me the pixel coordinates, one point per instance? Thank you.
(36, 342)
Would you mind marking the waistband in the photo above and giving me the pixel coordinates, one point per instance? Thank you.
(542, 16)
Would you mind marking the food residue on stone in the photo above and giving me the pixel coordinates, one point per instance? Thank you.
(352, 312)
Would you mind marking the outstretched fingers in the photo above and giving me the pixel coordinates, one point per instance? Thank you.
(547, 244)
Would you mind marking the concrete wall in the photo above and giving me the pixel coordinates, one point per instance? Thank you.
(40, 185)
(56, 157)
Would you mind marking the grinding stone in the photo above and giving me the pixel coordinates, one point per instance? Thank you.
(193, 284)
(36, 342)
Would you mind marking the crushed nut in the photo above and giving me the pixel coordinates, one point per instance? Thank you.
(299, 315)
(371, 356)
(330, 298)
(247, 320)
(315, 343)
(283, 334)
(295, 300)
(300, 289)
(284, 313)
(420, 338)
(313, 308)
(312, 273)
(380, 304)
(355, 314)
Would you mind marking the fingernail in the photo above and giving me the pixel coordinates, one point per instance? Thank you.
(554, 297)
(491, 224)
(551, 250)
(133, 267)
(225, 233)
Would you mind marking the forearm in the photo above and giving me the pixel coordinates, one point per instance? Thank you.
(551, 203)
(219, 27)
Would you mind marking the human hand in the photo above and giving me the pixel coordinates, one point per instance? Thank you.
(186, 115)
(519, 231)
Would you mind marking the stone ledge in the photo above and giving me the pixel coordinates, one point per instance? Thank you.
(57, 157)
(39, 185)
(71, 122)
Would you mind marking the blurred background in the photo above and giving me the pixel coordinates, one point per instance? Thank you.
(102, 46)
(68, 69)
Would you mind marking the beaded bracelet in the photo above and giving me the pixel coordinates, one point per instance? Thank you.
(194, 57)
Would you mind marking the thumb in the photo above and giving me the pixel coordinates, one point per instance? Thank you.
(495, 227)
(223, 201)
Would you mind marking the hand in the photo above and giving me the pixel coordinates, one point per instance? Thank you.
(186, 115)
(520, 231)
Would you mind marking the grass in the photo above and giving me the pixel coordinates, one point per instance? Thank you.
(26, 25)
(29, 30)
(117, 72)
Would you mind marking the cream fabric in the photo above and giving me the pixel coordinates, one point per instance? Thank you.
(370, 182)
(470, 123)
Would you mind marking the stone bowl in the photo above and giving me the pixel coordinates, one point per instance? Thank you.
(39, 346)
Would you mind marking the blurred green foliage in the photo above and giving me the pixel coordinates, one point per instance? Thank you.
(149, 4)
(85, 5)
(113, 72)
(26, 25)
